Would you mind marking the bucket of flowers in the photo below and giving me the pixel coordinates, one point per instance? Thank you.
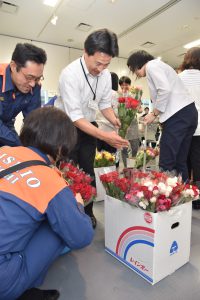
(78, 181)
(104, 163)
(148, 221)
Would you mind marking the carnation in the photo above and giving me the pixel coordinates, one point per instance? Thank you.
(152, 191)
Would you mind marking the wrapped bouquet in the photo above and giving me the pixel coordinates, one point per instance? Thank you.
(127, 108)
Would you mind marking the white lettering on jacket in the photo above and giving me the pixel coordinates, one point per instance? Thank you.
(31, 181)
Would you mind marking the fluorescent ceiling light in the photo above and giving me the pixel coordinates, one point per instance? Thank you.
(54, 20)
(192, 44)
(51, 3)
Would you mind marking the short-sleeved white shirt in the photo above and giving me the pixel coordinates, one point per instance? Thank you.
(75, 92)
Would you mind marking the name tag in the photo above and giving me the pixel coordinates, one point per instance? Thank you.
(93, 104)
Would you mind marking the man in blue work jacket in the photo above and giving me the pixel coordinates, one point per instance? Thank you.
(19, 88)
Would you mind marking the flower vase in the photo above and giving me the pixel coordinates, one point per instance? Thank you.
(99, 186)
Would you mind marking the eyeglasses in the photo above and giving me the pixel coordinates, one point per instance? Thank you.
(30, 78)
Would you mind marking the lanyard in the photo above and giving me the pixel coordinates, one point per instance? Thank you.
(93, 92)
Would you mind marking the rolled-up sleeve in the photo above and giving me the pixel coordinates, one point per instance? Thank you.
(70, 93)
(159, 86)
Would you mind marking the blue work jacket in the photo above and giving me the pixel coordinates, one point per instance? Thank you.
(12, 102)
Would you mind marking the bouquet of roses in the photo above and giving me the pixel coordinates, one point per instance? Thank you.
(79, 182)
(104, 159)
(127, 109)
(151, 154)
(152, 191)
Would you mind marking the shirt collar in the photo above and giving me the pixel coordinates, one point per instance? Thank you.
(44, 156)
(9, 84)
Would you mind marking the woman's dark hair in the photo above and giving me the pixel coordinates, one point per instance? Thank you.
(124, 79)
(50, 130)
(138, 59)
(28, 52)
(102, 40)
(115, 81)
(191, 59)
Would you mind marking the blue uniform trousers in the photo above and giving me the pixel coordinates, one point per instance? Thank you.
(27, 269)
(176, 139)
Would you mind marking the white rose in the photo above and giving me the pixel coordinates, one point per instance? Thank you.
(168, 191)
(155, 192)
(162, 187)
(153, 200)
(141, 204)
(172, 181)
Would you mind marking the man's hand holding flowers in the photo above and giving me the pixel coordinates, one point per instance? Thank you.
(113, 139)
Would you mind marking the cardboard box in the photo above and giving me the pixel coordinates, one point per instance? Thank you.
(153, 245)
(101, 193)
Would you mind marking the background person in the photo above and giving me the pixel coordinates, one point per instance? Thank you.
(39, 215)
(190, 76)
(19, 88)
(173, 104)
(85, 87)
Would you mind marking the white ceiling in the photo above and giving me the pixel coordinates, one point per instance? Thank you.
(167, 24)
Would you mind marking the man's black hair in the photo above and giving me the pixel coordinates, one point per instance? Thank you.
(102, 40)
(28, 52)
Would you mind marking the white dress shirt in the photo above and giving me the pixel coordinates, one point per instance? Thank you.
(167, 91)
(75, 92)
(191, 79)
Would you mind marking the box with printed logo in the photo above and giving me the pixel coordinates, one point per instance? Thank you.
(153, 245)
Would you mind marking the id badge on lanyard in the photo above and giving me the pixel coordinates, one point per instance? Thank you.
(93, 104)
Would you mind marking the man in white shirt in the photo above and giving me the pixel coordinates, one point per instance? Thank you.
(85, 87)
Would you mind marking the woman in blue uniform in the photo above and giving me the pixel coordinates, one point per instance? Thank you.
(39, 215)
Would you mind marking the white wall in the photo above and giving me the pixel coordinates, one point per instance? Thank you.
(57, 58)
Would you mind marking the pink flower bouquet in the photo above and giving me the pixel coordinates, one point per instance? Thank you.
(152, 191)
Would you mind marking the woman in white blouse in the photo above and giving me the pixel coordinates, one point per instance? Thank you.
(175, 107)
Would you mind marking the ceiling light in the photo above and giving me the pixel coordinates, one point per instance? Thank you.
(54, 20)
(159, 57)
(51, 3)
(192, 44)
